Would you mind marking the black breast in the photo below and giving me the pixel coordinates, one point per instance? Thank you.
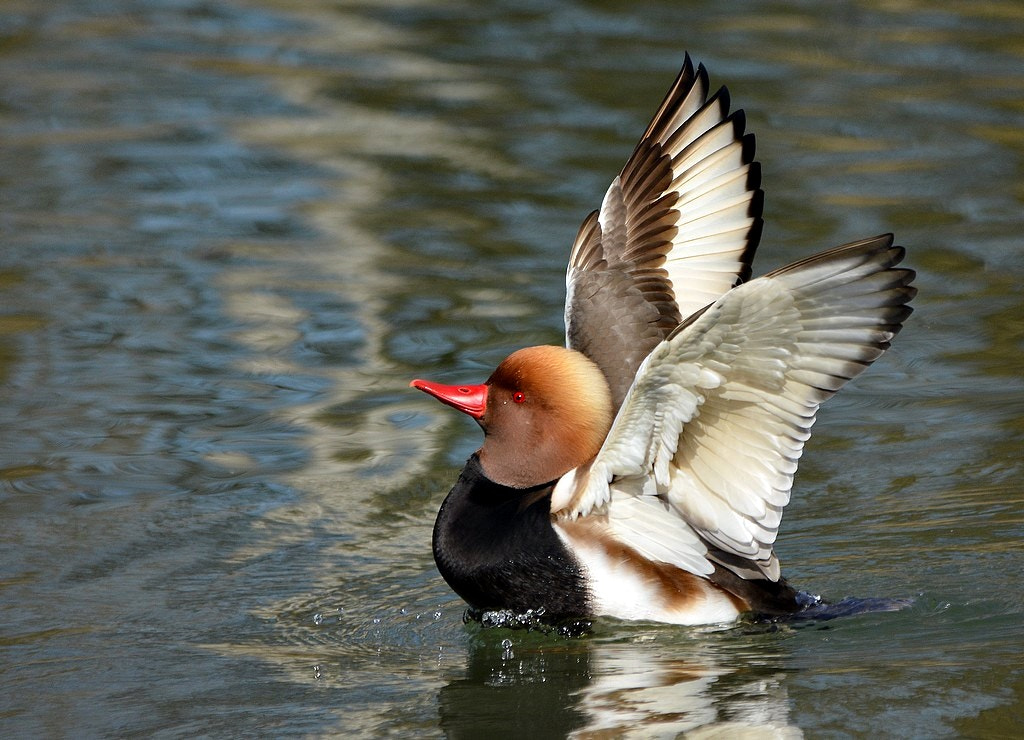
(496, 548)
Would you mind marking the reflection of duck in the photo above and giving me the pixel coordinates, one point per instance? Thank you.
(642, 471)
(655, 686)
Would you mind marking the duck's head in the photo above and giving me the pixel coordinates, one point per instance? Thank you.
(544, 411)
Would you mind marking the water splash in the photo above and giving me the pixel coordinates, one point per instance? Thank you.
(532, 620)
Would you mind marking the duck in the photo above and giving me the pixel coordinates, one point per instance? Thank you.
(640, 472)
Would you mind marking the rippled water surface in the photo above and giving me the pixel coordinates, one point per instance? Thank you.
(231, 233)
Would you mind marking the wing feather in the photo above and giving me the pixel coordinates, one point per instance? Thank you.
(713, 426)
(677, 228)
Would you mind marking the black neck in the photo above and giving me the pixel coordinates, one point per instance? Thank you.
(496, 548)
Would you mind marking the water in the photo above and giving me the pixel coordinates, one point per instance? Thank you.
(231, 232)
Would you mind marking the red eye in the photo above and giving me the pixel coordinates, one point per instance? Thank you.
(518, 397)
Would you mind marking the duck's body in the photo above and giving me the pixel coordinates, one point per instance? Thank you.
(641, 471)
(498, 548)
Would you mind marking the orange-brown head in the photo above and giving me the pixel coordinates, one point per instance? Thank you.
(544, 411)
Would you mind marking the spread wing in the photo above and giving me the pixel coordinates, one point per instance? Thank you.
(709, 435)
(677, 228)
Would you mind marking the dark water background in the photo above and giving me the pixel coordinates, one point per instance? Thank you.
(230, 233)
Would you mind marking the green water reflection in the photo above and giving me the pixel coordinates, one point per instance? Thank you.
(233, 232)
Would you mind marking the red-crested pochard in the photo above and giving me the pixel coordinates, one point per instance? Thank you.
(641, 471)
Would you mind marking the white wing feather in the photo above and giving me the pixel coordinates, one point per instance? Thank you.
(704, 448)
